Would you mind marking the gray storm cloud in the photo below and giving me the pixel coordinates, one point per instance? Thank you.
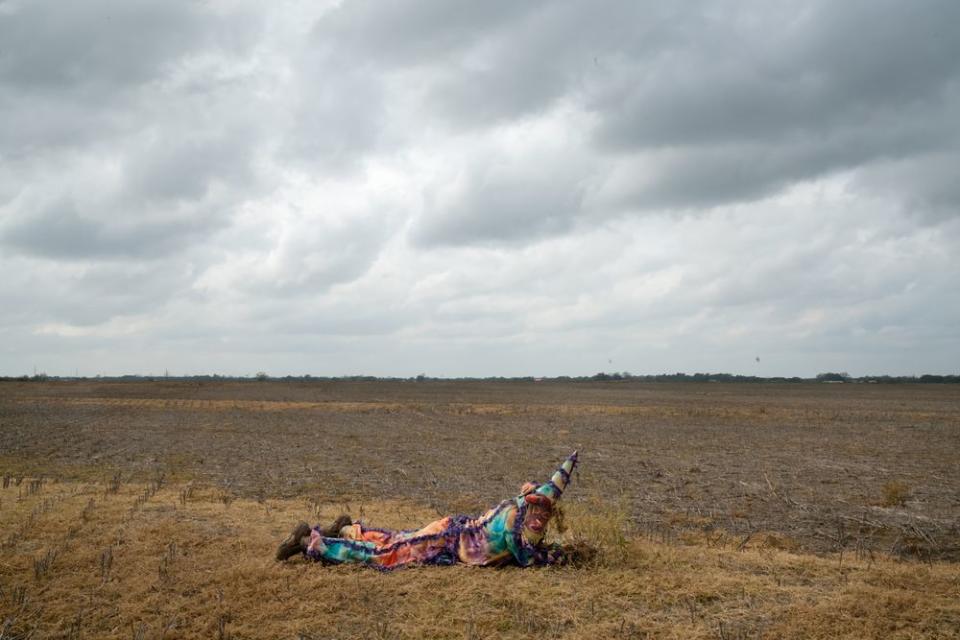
(479, 188)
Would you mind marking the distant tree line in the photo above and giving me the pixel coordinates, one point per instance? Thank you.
(624, 376)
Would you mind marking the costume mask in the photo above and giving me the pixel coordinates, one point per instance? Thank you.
(538, 514)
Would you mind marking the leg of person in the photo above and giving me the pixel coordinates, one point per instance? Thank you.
(333, 531)
(386, 549)
(299, 537)
(340, 550)
(295, 542)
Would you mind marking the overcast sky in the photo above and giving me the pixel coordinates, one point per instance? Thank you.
(479, 188)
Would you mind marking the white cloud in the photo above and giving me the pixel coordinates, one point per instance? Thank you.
(506, 189)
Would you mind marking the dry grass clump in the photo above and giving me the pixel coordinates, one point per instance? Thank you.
(595, 534)
(895, 494)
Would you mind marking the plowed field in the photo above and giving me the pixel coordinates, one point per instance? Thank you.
(141, 510)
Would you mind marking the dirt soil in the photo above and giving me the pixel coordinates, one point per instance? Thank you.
(824, 466)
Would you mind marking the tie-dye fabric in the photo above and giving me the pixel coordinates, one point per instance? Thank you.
(497, 537)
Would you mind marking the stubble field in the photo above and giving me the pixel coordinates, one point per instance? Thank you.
(152, 510)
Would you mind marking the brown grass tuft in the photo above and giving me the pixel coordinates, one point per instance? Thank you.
(895, 494)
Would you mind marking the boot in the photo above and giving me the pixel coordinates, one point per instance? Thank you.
(294, 543)
(333, 531)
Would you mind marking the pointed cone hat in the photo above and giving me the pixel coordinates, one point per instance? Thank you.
(554, 487)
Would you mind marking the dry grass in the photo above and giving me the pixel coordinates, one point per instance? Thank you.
(169, 567)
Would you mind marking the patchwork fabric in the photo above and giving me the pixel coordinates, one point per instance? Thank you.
(499, 536)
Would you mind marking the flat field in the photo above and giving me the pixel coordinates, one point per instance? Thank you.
(152, 510)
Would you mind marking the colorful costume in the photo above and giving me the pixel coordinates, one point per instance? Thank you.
(510, 532)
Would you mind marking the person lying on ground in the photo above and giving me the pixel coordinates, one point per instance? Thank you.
(510, 533)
